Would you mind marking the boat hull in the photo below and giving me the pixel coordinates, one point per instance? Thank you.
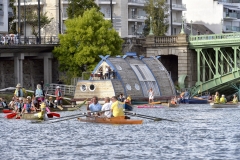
(214, 105)
(149, 106)
(28, 116)
(113, 120)
(172, 105)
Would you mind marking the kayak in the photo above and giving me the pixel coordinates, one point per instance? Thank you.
(112, 120)
(228, 105)
(149, 106)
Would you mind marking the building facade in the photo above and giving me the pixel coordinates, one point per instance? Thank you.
(220, 16)
(5, 13)
(128, 15)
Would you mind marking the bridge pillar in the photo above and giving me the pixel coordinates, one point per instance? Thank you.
(18, 68)
(47, 66)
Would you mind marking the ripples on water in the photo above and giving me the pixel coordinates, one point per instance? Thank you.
(200, 133)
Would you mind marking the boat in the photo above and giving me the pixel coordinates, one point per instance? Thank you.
(172, 105)
(149, 106)
(112, 120)
(197, 101)
(227, 105)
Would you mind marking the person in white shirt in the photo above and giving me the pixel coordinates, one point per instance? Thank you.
(107, 107)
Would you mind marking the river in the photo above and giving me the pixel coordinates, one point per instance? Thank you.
(201, 132)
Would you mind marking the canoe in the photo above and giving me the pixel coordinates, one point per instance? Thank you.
(113, 120)
(149, 106)
(172, 105)
(214, 105)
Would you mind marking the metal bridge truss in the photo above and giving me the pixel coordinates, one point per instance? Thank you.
(217, 69)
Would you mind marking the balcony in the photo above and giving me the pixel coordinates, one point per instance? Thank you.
(230, 16)
(65, 1)
(139, 3)
(106, 1)
(229, 1)
(229, 28)
(29, 2)
(137, 18)
(177, 22)
(179, 7)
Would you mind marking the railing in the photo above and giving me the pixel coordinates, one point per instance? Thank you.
(66, 89)
(134, 40)
(177, 20)
(166, 39)
(230, 15)
(214, 37)
(13, 40)
(232, 28)
(229, 1)
(137, 17)
(181, 6)
(137, 1)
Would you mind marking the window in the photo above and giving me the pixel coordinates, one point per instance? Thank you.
(137, 87)
(128, 87)
(83, 88)
(92, 87)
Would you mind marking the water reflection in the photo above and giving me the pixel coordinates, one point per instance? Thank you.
(200, 133)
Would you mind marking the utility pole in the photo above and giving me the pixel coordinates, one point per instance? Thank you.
(171, 17)
(39, 23)
(19, 23)
(59, 14)
(25, 22)
(111, 11)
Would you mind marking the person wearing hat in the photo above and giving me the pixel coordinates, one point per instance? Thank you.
(223, 100)
(19, 92)
(58, 94)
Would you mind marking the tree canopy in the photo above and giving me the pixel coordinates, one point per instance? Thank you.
(158, 11)
(78, 7)
(86, 38)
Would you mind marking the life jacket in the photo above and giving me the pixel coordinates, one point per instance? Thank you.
(216, 99)
(223, 100)
(58, 94)
(235, 100)
(19, 93)
(28, 108)
(39, 93)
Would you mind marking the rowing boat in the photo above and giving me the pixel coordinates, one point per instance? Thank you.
(228, 105)
(112, 120)
(149, 106)
(172, 105)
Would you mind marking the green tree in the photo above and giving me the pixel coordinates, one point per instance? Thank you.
(32, 19)
(158, 11)
(78, 7)
(86, 38)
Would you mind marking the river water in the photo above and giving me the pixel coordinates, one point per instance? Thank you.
(200, 132)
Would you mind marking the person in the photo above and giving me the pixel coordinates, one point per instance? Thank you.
(106, 108)
(186, 96)
(223, 100)
(42, 85)
(12, 103)
(50, 102)
(174, 100)
(216, 97)
(151, 95)
(19, 105)
(116, 107)
(93, 105)
(106, 72)
(235, 99)
(39, 93)
(4, 103)
(19, 92)
(58, 94)
(128, 100)
(42, 112)
(121, 97)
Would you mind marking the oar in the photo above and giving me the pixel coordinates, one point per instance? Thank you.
(54, 114)
(148, 117)
(66, 119)
(11, 115)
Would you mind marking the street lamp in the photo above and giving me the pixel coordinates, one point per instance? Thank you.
(182, 30)
(111, 11)
(191, 27)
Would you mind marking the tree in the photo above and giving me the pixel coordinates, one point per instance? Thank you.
(78, 7)
(86, 38)
(158, 11)
(32, 19)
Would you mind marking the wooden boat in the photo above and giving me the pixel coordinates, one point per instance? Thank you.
(172, 105)
(149, 106)
(112, 120)
(228, 105)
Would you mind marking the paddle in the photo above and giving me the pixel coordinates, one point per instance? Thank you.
(54, 114)
(11, 115)
(148, 117)
(66, 119)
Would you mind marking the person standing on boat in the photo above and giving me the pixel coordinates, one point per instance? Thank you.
(223, 100)
(117, 107)
(107, 107)
(94, 106)
(216, 97)
(19, 92)
(58, 94)
(235, 99)
(151, 95)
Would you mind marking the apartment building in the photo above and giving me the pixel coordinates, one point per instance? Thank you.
(128, 15)
(220, 16)
(5, 13)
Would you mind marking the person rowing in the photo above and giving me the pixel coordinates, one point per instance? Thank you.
(106, 108)
(117, 107)
(223, 100)
(93, 105)
(235, 99)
